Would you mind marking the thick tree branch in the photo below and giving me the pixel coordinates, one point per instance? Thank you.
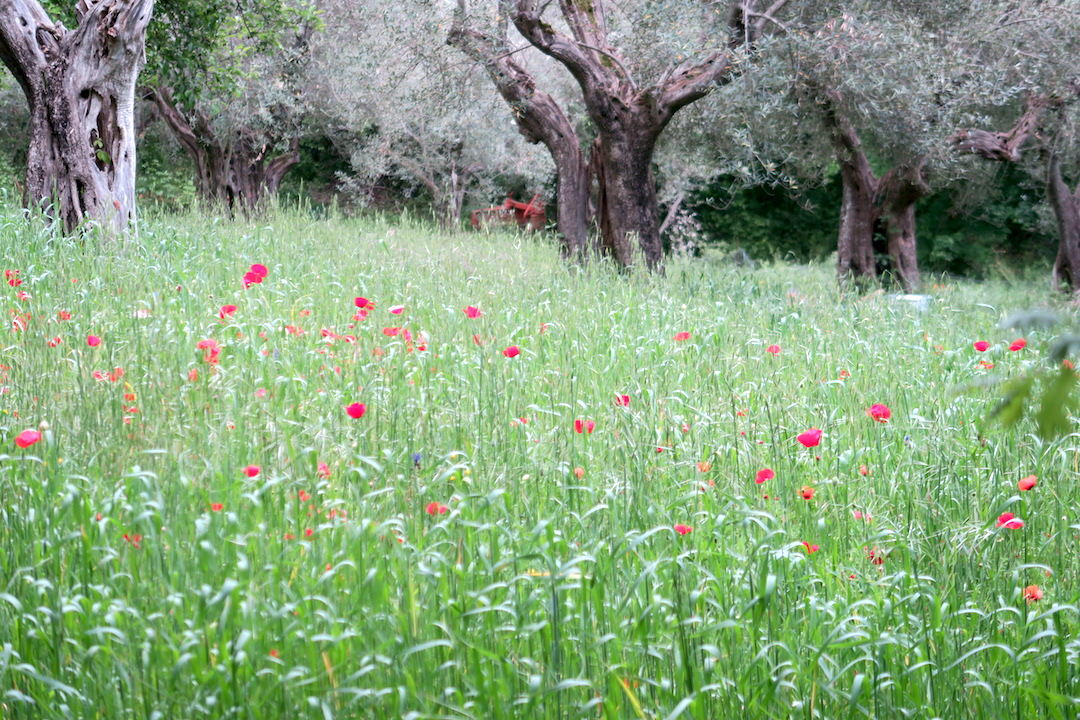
(769, 16)
(1004, 146)
(585, 68)
(693, 81)
(28, 41)
(538, 116)
(169, 112)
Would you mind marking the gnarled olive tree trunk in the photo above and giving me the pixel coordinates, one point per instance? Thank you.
(900, 189)
(235, 171)
(1066, 206)
(869, 203)
(539, 119)
(80, 85)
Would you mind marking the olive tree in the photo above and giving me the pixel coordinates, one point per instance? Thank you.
(409, 110)
(635, 65)
(80, 85)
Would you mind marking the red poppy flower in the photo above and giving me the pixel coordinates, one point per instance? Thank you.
(863, 470)
(579, 472)
(436, 508)
(1032, 593)
(773, 350)
(260, 270)
(251, 278)
(875, 555)
(356, 410)
(472, 312)
(1018, 344)
(806, 492)
(1028, 482)
(226, 311)
(27, 438)
(810, 548)
(810, 438)
(680, 337)
(684, 529)
(512, 351)
(217, 507)
(584, 426)
(704, 467)
(622, 400)
(252, 471)
(397, 309)
(982, 345)
(93, 340)
(363, 303)
(55, 341)
(763, 475)
(879, 412)
(309, 532)
(63, 315)
(1010, 521)
(323, 470)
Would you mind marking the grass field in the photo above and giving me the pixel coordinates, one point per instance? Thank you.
(204, 530)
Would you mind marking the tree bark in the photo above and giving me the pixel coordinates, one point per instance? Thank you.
(539, 119)
(1066, 206)
(900, 189)
(232, 172)
(855, 260)
(80, 86)
(629, 214)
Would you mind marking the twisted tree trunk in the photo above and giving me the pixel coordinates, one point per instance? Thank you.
(855, 261)
(900, 189)
(80, 86)
(539, 119)
(629, 119)
(235, 171)
(1066, 205)
(870, 203)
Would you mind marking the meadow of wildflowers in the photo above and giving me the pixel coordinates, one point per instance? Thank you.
(357, 469)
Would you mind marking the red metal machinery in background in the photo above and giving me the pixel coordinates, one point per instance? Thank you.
(527, 216)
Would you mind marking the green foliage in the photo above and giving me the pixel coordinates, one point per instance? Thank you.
(993, 229)
(768, 222)
(200, 48)
(164, 180)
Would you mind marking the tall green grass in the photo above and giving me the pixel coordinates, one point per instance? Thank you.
(538, 593)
